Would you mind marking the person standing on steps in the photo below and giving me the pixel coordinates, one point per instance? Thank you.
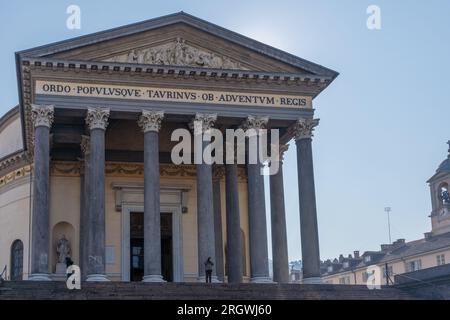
(208, 269)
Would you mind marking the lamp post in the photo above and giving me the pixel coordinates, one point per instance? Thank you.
(388, 211)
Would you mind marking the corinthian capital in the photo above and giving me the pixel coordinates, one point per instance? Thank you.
(303, 128)
(42, 115)
(150, 120)
(255, 122)
(97, 118)
(203, 122)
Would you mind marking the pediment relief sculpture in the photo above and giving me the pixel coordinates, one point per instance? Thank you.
(177, 53)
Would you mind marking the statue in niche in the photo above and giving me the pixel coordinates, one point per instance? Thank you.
(63, 249)
(445, 196)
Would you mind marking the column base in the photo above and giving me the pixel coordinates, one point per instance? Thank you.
(39, 277)
(214, 279)
(261, 280)
(97, 278)
(153, 278)
(312, 280)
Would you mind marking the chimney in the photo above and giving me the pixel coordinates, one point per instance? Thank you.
(398, 243)
(386, 247)
(341, 258)
(356, 254)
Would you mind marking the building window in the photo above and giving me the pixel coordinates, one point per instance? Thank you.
(346, 264)
(330, 268)
(344, 280)
(389, 271)
(16, 260)
(367, 258)
(414, 265)
(440, 258)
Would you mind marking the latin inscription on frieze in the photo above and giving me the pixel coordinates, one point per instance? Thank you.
(170, 94)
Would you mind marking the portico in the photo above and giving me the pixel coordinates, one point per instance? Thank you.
(99, 113)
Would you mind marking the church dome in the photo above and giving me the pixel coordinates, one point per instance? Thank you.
(445, 165)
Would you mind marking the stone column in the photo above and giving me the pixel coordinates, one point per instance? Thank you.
(234, 245)
(97, 121)
(84, 213)
(303, 131)
(205, 207)
(278, 217)
(43, 118)
(150, 122)
(217, 176)
(259, 263)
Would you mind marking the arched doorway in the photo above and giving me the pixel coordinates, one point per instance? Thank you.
(16, 260)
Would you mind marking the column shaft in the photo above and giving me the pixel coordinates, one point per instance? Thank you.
(97, 120)
(234, 245)
(259, 263)
(43, 118)
(259, 267)
(308, 214)
(279, 236)
(218, 229)
(40, 224)
(152, 214)
(96, 225)
(205, 217)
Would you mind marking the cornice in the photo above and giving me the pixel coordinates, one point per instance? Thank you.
(15, 175)
(171, 70)
(13, 159)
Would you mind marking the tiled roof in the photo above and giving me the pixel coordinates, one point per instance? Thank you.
(399, 251)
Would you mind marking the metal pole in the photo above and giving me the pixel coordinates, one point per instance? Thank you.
(386, 272)
(388, 210)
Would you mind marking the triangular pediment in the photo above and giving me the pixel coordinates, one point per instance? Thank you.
(179, 40)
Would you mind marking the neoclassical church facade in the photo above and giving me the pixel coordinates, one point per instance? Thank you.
(86, 156)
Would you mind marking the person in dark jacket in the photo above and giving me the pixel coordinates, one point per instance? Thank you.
(208, 269)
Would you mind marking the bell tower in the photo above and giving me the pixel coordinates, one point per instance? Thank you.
(440, 197)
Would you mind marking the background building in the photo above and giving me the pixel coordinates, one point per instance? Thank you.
(400, 256)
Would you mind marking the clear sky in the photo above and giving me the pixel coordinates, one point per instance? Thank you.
(384, 121)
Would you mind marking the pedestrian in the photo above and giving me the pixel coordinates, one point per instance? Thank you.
(208, 269)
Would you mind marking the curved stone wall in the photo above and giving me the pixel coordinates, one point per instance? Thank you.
(10, 133)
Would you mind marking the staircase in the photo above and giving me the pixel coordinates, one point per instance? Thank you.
(30, 290)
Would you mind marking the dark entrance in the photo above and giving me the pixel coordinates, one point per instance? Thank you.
(137, 246)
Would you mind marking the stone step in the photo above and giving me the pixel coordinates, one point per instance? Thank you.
(194, 291)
